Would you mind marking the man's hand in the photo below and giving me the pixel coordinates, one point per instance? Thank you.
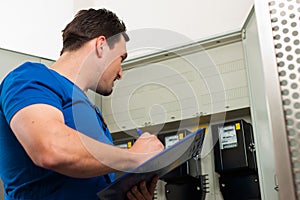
(143, 193)
(145, 147)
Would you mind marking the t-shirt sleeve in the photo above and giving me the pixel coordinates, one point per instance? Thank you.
(24, 89)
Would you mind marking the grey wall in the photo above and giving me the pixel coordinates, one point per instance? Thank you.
(10, 59)
(1, 190)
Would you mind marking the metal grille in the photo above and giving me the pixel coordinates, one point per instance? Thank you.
(285, 20)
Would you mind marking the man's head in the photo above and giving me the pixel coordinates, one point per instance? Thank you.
(103, 34)
(89, 24)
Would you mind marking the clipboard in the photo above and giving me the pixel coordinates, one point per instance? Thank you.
(162, 163)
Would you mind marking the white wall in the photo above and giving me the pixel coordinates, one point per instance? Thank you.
(34, 26)
(196, 19)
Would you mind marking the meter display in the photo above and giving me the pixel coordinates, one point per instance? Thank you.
(227, 137)
(170, 140)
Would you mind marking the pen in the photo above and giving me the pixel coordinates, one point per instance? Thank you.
(139, 131)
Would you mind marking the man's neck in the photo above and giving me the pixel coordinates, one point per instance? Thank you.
(69, 65)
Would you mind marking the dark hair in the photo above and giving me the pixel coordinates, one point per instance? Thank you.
(89, 24)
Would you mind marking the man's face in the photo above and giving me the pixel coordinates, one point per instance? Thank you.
(113, 69)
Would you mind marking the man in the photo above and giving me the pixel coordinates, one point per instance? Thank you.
(54, 143)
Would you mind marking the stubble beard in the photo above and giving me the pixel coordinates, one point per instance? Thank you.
(103, 92)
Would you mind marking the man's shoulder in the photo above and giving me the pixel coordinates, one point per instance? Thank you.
(27, 69)
(31, 67)
(30, 71)
(27, 75)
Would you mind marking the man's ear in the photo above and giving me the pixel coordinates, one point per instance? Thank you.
(100, 43)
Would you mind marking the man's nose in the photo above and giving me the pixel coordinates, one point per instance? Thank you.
(120, 74)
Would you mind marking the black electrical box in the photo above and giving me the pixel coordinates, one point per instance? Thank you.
(234, 148)
(187, 187)
(168, 139)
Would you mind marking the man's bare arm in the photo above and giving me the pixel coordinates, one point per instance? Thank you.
(52, 145)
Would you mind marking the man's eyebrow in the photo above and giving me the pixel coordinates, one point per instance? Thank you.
(124, 56)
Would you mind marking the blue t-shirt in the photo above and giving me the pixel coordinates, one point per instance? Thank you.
(33, 83)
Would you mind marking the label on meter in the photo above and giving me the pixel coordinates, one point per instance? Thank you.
(227, 137)
(170, 140)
